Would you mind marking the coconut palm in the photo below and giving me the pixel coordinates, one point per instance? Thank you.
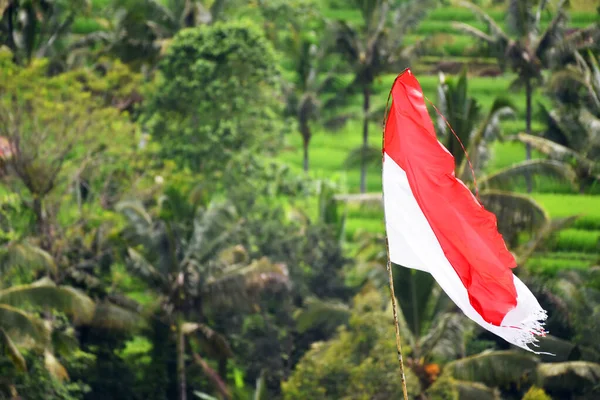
(526, 48)
(574, 122)
(376, 46)
(313, 78)
(463, 113)
(184, 255)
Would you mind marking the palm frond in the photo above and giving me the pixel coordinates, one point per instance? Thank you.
(137, 216)
(493, 368)
(21, 326)
(11, 351)
(569, 376)
(21, 254)
(493, 26)
(204, 396)
(44, 295)
(489, 129)
(347, 41)
(552, 227)
(409, 14)
(515, 175)
(240, 286)
(111, 316)
(555, 151)
(561, 350)
(551, 149)
(372, 155)
(327, 315)
(475, 391)
(55, 368)
(445, 338)
(569, 79)
(260, 390)
(143, 268)
(415, 292)
(520, 18)
(211, 228)
(514, 213)
(552, 35)
(214, 343)
(579, 40)
(474, 32)
(337, 121)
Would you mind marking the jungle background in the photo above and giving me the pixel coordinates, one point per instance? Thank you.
(190, 201)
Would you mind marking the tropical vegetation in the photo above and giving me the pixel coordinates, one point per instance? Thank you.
(190, 196)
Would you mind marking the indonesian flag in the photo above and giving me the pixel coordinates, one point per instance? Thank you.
(435, 224)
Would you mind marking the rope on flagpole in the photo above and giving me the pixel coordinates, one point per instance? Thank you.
(389, 263)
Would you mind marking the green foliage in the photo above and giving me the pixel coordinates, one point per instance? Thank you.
(51, 123)
(447, 388)
(536, 393)
(215, 96)
(495, 369)
(570, 377)
(39, 384)
(37, 28)
(358, 363)
(210, 227)
(61, 139)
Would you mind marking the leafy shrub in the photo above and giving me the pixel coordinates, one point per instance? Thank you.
(359, 363)
(536, 393)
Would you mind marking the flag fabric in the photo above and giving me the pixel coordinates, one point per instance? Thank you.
(435, 224)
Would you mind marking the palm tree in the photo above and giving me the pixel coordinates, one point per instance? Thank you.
(531, 49)
(376, 46)
(463, 113)
(575, 120)
(305, 95)
(192, 268)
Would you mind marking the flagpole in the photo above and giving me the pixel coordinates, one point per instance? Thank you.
(389, 265)
(396, 325)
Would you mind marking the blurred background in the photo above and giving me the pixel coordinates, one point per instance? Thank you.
(190, 196)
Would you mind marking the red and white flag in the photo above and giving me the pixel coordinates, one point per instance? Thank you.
(435, 224)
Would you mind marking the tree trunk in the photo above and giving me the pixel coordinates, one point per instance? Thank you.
(306, 134)
(181, 361)
(528, 94)
(363, 161)
(41, 223)
(305, 160)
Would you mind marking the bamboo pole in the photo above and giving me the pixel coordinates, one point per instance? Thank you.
(396, 325)
(389, 263)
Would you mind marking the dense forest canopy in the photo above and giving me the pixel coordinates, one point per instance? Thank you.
(190, 196)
